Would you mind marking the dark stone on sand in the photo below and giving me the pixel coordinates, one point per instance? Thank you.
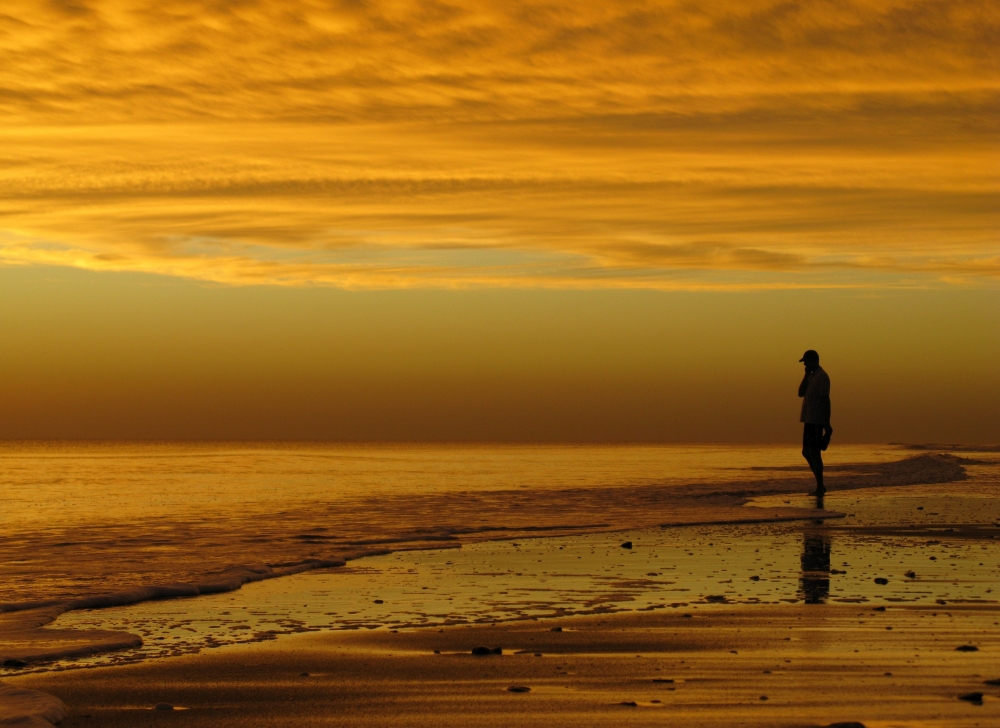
(848, 724)
(12, 662)
(754, 578)
(992, 682)
(556, 629)
(763, 697)
(687, 616)
(303, 674)
(966, 648)
(629, 703)
(163, 706)
(878, 609)
(487, 651)
(976, 698)
(910, 574)
(518, 689)
(716, 598)
(881, 580)
(663, 679)
(627, 545)
(379, 601)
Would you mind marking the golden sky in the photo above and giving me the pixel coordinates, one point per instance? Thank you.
(494, 151)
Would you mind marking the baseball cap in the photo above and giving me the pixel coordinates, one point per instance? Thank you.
(810, 354)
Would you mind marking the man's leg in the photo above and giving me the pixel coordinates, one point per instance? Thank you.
(816, 464)
(813, 454)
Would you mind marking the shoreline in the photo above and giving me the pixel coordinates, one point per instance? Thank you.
(25, 638)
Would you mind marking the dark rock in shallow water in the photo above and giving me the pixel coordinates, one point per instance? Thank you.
(881, 580)
(12, 662)
(663, 679)
(966, 648)
(629, 703)
(992, 682)
(518, 689)
(910, 574)
(848, 724)
(627, 545)
(716, 598)
(754, 578)
(487, 651)
(976, 698)
(163, 706)
(303, 674)
(556, 629)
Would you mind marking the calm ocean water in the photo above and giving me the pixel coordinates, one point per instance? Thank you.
(60, 485)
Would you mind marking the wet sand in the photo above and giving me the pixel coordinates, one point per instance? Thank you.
(768, 666)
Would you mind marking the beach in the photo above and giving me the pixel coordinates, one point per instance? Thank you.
(760, 608)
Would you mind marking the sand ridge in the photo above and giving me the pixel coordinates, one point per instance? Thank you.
(788, 665)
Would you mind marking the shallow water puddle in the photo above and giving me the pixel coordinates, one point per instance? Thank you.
(686, 568)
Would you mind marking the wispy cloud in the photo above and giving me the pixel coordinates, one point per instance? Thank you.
(656, 144)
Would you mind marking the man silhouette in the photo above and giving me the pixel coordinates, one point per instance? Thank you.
(816, 432)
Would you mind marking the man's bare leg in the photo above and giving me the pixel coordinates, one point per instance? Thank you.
(814, 456)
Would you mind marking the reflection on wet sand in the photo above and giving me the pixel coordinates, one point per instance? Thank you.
(814, 583)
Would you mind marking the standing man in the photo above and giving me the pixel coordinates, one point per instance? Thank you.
(815, 393)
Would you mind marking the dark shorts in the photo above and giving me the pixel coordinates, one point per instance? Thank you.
(812, 437)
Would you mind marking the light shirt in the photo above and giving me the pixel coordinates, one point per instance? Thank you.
(815, 409)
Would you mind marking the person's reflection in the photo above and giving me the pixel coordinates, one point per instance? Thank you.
(815, 580)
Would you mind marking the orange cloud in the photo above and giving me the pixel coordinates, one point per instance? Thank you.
(457, 144)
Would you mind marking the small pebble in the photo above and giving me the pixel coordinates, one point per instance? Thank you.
(163, 706)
